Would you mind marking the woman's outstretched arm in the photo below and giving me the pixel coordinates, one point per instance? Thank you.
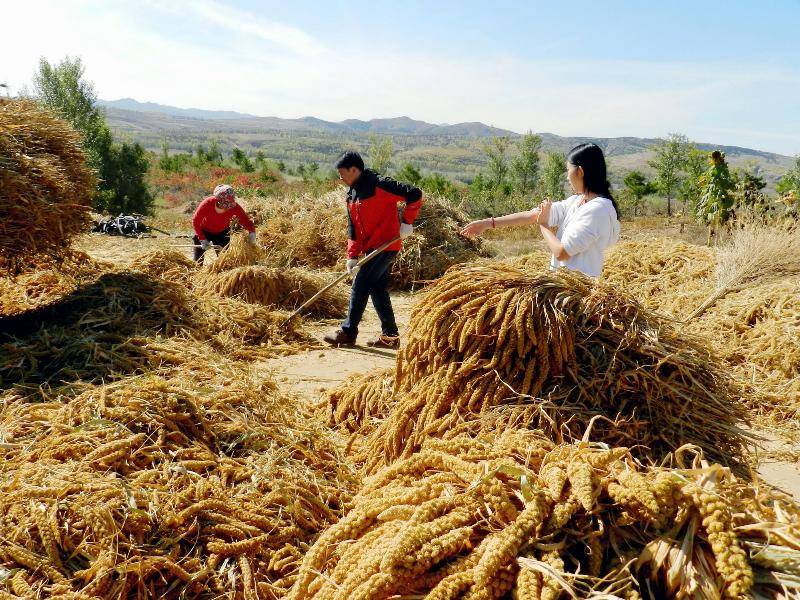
(476, 228)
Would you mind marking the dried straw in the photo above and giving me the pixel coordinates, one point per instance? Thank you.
(46, 184)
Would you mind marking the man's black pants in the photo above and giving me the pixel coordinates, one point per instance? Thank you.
(372, 281)
(223, 238)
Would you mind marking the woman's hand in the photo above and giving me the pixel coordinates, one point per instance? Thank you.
(543, 217)
(475, 228)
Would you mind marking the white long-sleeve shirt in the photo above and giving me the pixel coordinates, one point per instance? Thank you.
(585, 230)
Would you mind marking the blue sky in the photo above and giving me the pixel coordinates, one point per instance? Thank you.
(723, 72)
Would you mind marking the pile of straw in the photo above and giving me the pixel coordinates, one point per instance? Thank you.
(666, 275)
(166, 264)
(556, 352)
(520, 517)
(45, 182)
(361, 400)
(312, 233)
(436, 245)
(239, 253)
(287, 288)
(303, 231)
(166, 488)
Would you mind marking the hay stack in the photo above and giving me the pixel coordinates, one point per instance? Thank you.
(304, 231)
(555, 352)
(361, 400)
(666, 275)
(166, 486)
(312, 233)
(436, 245)
(46, 184)
(521, 517)
(239, 253)
(287, 288)
(166, 264)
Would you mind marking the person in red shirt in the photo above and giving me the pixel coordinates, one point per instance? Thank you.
(212, 220)
(373, 221)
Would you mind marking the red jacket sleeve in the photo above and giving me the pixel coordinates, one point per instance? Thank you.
(411, 194)
(244, 220)
(199, 217)
(353, 249)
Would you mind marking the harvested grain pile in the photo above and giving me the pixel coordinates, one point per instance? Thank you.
(521, 517)
(46, 184)
(287, 288)
(360, 400)
(559, 353)
(165, 486)
(303, 231)
(239, 253)
(665, 275)
(167, 264)
(312, 233)
(436, 245)
(116, 325)
(44, 282)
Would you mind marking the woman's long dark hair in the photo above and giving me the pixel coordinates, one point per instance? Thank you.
(595, 177)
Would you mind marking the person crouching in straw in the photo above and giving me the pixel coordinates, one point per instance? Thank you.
(212, 220)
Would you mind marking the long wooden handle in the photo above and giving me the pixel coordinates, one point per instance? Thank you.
(360, 263)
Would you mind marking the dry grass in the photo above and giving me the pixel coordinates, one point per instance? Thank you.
(157, 487)
(46, 184)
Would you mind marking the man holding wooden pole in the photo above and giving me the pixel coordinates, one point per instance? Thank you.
(373, 221)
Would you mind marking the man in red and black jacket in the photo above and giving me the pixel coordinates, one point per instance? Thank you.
(373, 220)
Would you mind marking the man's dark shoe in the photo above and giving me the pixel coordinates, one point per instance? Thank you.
(385, 341)
(340, 338)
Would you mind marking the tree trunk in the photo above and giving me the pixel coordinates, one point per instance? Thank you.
(669, 206)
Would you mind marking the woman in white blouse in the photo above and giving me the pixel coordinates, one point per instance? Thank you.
(586, 223)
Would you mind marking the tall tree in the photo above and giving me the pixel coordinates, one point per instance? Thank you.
(689, 191)
(716, 203)
(380, 153)
(496, 151)
(636, 188)
(525, 165)
(121, 185)
(554, 175)
(669, 162)
(241, 160)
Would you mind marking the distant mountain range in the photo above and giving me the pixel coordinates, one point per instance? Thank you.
(455, 150)
(398, 125)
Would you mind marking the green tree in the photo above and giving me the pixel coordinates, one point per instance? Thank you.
(636, 188)
(260, 160)
(380, 153)
(553, 175)
(716, 202)
(669, 162)
(281, 166)
(525, 165)
(496, 151)
(438, 185)
(63, 89)
(789, 184)
(409, 174)
(121, 171)
(241, 160)
(312, 170)
(690, 191)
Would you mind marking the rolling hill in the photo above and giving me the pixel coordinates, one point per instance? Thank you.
(452, 149)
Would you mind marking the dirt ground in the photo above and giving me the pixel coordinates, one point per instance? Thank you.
(312, 372)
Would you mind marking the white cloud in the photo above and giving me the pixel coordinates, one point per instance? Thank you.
(274, 69)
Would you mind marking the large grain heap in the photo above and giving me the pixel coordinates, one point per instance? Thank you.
(45, 184)
(553, 351)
